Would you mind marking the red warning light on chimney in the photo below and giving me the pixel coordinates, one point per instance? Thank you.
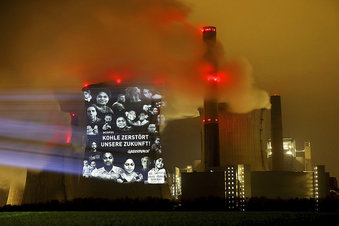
(118, 80)
(213, 78)
(207, 29)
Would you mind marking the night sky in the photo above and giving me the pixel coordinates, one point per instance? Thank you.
(286, 47)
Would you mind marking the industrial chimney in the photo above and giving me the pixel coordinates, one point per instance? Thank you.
(276, 134)
(210, 154)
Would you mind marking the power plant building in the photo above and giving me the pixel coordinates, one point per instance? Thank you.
(246, 160)
(255, 158)
(294, 160)
(242, 156)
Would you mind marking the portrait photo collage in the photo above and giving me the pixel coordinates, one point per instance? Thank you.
(123, 141)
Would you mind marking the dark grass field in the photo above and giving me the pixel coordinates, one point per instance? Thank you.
(168, 218)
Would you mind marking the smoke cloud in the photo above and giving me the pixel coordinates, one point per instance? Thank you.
(241, 93)
(50, 46)
(64, 44)
(67, 43)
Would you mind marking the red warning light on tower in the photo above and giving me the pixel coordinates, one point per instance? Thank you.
(86, 85)
(218, 77)
(207, 29)
(213, 78)
(118, 80)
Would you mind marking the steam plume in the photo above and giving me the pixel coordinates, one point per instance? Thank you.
(63, 44)
(66, 43)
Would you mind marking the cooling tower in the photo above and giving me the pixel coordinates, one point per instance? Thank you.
(242, 138)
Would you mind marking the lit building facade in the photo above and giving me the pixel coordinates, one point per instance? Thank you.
(231, 187)
(175, 183)
(232, 183)
(294, 160)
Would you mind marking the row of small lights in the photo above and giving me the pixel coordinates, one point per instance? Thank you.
(242, 188)
(178, 184)
(316, 188)
(176, 187)
(229, 185)
(210, 120)
(204, 29)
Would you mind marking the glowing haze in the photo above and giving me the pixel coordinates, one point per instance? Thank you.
(294, 50)
(66, 43)
(53, 46)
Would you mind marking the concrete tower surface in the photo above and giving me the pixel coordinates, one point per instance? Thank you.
(276, 134)
(210, 154)
(242, 137)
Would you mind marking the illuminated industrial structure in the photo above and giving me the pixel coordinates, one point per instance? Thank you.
(294, 160)
(175, 183)
(277, 134)
(236, 161)
(210, 152)
(254, 158)
(242, 138)
(295, 179)
(231, 186)
(231, 182)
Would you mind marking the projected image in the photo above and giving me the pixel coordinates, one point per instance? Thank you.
(123, 141)
(157, 175)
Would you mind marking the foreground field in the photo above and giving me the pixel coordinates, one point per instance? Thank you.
(167, 218)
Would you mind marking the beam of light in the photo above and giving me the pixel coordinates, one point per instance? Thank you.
(38, 161)
(38, 95)
(35, 133)
(42, 156)
(35, 115)
(38, 148)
